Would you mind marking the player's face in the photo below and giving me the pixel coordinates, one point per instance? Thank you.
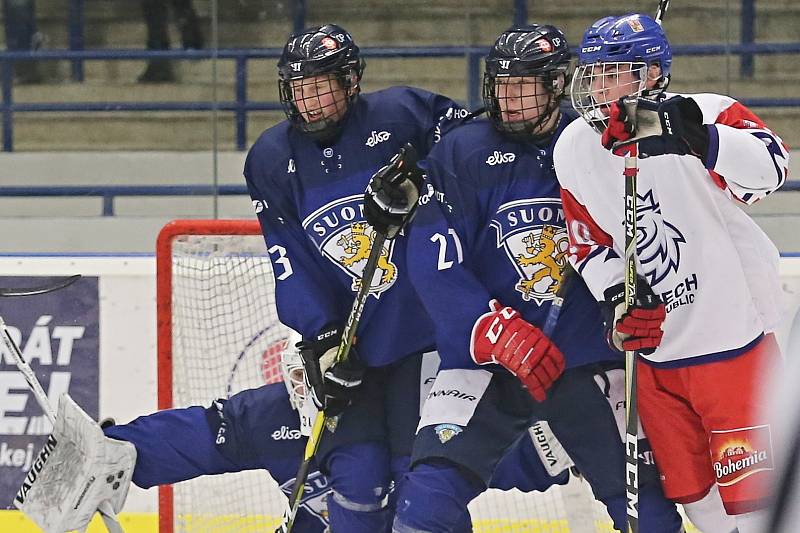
(522, 98)
(319, 97)
(611, 81)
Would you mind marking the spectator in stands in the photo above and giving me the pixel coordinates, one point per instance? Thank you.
(155, 16)
(21, 34)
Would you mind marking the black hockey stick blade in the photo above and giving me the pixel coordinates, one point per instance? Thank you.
(56, 284)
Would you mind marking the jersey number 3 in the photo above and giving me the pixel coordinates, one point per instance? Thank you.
(282, 260)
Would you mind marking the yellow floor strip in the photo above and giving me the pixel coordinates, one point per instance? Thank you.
(15, 522)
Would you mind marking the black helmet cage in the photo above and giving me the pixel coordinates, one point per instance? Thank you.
(318, 51)
(519, 53)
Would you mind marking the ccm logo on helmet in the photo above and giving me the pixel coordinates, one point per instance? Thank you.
(589, 49)
(652, 49)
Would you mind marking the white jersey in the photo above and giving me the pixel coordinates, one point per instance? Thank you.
(713, 267)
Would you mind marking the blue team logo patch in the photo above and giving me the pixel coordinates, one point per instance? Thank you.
(533, 233)
(658, 243)
(315, 495)
(344, 237)
(447, 432)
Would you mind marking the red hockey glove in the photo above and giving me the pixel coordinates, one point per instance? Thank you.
(502, 336)
(671, 126)
(620, 126)
(638, 328)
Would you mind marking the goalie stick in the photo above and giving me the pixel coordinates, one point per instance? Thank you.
(348, 334)
(58, 283)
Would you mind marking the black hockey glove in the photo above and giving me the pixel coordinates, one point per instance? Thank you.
(392, 194)
(333, 386)
(672, 126)
(638, 328)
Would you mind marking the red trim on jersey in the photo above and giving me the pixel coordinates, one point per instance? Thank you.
(579, 220)
(718, 180)
(740, 117)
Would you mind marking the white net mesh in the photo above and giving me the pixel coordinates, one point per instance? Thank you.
(226, 337)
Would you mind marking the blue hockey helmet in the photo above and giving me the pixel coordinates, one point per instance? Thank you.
(525, 79)
(634, 38)
(611, 47)
(323, 51)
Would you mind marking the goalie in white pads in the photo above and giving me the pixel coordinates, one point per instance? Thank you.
(254, 429)
(78, 472)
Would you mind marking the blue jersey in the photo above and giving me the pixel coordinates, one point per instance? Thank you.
(490, 225)
(309, 201)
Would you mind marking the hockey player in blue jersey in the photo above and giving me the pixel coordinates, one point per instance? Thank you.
(262, 430)
(306, 177)
(487, 254)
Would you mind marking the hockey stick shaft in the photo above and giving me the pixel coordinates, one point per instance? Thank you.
(558, 302)
(27, 371)
(346, 343)
(663, 5)
(58, 283)
(631, 407)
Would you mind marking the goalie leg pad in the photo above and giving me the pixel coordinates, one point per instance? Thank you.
(78, 471)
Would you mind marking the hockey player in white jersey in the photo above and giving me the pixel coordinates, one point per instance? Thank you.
(708, 293)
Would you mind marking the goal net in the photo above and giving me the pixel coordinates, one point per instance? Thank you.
(219, 334)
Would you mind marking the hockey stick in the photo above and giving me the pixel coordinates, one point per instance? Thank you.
(58, 283)
(631, 408)
(348, 334)
(558, 302)
(663, 5)
(106, 511)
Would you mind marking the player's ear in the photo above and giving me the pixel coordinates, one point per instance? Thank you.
(654, 72)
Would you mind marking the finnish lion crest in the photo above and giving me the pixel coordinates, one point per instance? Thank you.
(544, 254)
(356, 245)
(345, 238)
(534, 236)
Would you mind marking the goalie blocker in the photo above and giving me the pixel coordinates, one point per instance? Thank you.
(78, 472)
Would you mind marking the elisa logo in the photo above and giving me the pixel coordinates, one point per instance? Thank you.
(377, 137)
(498, 158)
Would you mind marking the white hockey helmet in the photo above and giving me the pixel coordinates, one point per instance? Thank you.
(294, 378)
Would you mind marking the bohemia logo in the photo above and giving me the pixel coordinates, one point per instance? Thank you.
(740, 453)
(657, 241)
(534, 236)
(342, 235)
